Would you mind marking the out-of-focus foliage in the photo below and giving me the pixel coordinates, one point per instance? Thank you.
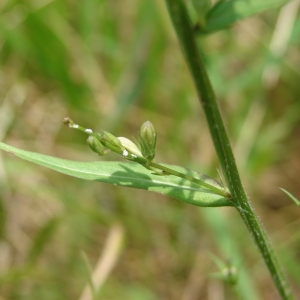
(114, 65)
(226, 12)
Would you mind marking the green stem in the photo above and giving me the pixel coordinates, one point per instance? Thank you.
(183, 28)
(212, 188)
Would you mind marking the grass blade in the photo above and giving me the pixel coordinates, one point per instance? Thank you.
(291, 196)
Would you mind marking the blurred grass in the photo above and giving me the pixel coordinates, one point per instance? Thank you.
(113, 65)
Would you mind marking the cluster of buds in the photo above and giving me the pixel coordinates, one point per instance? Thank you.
(104, 142)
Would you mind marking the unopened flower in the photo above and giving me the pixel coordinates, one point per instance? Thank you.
(96, 145)
(147, 140)
(110, 141)
(130, 146)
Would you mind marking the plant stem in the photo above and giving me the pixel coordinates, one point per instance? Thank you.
(210, 187)
(186, 36)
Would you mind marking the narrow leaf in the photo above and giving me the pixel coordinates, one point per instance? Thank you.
(291, 196)
(130, 175)
(225, 13)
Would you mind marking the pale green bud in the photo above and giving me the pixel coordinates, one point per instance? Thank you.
(96, 145)
(130, 146)
(110, 141)
(147, 140)
(230, 275)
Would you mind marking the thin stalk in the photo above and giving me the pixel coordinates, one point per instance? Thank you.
(186, 36)
(210, 187)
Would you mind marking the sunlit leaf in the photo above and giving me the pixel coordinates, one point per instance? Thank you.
(130, 175)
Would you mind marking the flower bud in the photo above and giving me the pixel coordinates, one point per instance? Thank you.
(110, 141)
(96, 145)
(147, 140)
(230, 275)
(130, 146)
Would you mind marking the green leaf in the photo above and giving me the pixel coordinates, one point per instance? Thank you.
(291, 196)
(130, 175)
(225, 13)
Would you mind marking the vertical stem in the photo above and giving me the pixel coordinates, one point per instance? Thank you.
(183, 28)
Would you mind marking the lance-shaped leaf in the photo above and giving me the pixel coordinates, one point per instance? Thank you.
(130, 174)
(225, 13)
